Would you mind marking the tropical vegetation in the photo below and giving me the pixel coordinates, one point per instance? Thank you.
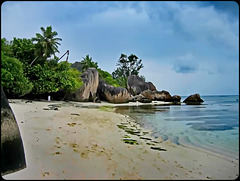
(126, 66)
(30, 67)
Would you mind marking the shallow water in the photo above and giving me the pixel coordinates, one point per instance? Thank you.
(213, 125)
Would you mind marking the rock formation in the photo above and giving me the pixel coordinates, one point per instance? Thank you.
(158, 95)
(145, 100)
(12, 151)
(137, 90)
(113, 94)
(193, 99)
(176, 98)
(136, 85)
(88, 91)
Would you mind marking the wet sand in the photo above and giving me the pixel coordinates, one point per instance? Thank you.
(87, 141)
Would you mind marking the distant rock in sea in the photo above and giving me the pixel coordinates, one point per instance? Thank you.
(193, 99)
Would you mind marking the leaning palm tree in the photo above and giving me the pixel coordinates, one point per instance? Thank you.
(46, 44)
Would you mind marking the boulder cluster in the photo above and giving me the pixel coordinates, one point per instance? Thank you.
(95, 89)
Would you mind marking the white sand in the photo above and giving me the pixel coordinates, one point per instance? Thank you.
(82, 143)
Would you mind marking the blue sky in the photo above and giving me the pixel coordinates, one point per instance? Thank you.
(186, 47)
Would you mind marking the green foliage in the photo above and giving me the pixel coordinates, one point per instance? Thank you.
(87, 63)
(13, 80)
(127, 65)
(78, 66)
(46, 80)
(122, 81)
(107, 77)
(23, 49)
(6, 47)
(52, 63)
(21, 75)
(68, 78)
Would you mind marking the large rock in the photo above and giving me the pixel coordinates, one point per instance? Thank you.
(193, 99)
(149, 94)
(113, 94)
(88, 91)
(136, 85)
(145, 100)
(151, 86)
(176, 98)
(157, 95)
(12, 151)
(163, 96)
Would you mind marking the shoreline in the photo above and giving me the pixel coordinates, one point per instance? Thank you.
(201, 148)
(90, 144)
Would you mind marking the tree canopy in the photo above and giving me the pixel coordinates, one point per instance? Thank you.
(30, 67)
(20, 75)
(127, 65)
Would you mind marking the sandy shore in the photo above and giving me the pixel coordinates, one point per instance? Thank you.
(76, 142)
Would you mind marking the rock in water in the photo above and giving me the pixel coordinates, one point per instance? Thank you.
(193, 99)
(113, 94)
(12, 151)
(88, 91)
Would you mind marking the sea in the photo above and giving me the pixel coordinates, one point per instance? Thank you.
(212, 125)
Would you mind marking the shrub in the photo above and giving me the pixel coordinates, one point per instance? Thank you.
(13, 80)
(69, 78)
(46, 80)
(107, 77)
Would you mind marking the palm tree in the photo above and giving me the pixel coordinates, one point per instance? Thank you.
(87, 63)
(46, 44)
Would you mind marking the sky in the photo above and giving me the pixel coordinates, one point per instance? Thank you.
(186, 47)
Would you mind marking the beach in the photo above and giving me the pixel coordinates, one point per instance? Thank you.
(70, 140)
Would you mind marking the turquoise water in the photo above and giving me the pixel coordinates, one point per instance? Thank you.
(213, 125)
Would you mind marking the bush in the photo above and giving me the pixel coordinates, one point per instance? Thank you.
(46, 80)
(68, 78)
(23, 50)
(14, 81)
(42, 79)
(107, 77)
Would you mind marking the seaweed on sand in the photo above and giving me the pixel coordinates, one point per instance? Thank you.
(150, 144)
(158, 148)
(131, 141)
(145, 138)
(129, 130)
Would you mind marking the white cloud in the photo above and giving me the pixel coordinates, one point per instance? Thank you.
(205, 23)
